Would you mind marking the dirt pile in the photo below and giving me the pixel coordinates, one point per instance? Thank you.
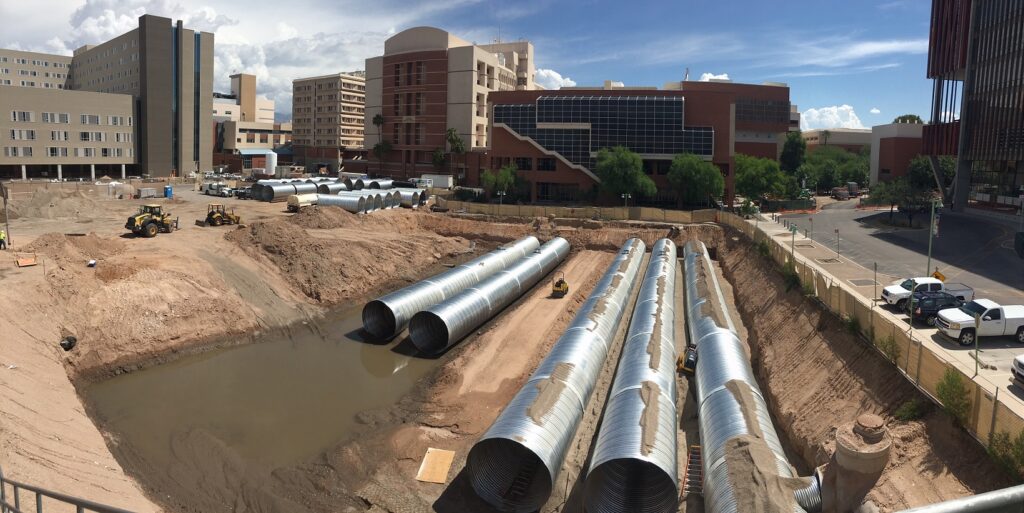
(816, 375)
(355, 257)
(52, 204)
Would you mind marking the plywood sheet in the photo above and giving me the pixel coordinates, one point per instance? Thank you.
(435, 466)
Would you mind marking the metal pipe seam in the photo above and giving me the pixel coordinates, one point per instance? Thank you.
(386, 316)
(731, 406)
(441, 326)
(515, 463)
(634, 464)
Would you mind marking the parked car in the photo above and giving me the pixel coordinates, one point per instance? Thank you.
(898, 293)
(1018, 370)
(840, 193)
(211, 189)
(927, 305)
(996, 321)
(243, 193)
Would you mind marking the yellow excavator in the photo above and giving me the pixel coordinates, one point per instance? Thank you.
(217, 215)
(559, 287)
(150, 221)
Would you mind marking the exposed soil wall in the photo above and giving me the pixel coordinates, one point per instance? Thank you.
(817, 375)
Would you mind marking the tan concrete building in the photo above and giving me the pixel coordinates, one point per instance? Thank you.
(164, 70)
(428, 81)
(327, 118)
(243, 104)
(849, 139)
(893, 147)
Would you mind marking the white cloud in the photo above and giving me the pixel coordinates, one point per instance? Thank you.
(874, 110)
(835, 52)
(706, 77)
(836, 116)
(551, 79)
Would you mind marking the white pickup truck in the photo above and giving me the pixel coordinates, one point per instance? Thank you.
(996, 321)
(899, 293)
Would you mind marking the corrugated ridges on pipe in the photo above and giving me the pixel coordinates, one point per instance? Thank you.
(441, 326)
(634, 466)
(386, 316)
(514, 465)
(732, 413)
(354, 204)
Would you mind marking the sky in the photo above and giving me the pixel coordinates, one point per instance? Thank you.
(849, 64)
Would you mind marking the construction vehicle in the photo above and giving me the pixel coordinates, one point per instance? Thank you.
(151, 220)
(560, 287)
(687, 363)
(217, 215)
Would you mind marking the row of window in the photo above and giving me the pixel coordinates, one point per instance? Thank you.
(33, 73)
(32, 83)
(526, 163)
(414, 73)
(61, 151)
(35, 62)
(63, 135)
(25, 116)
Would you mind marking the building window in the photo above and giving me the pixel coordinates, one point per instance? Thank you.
(419, 134)
(546, 164)
(56, 152)
(398, 75)
(524, 163)
(22, 116)
(26, 151)
(396, 132)
(419, 73)
(419, 104)
(90, 119)
(408, 73)
(397, 104)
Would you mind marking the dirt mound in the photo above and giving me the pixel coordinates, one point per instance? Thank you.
(330, 217)
(52, 204)
(817, 375)
(74, 248)
(344, 263)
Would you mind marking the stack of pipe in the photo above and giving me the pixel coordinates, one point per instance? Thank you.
(331, 187)
(410, 198)
(387, 316)
(733, 415)
(439, 327)
(354, 204)
(634, 465)
(514, 465)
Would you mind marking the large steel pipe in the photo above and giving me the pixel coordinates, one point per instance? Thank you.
(441, 326)
(514, 465)
(305, 188)
(353, 184)
(634, 465)
(354, 204)
(331, 187)
(704, 296)
(278, 192)
(735, 423)
(386, 316)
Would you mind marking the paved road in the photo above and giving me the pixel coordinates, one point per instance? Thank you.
(977, 252)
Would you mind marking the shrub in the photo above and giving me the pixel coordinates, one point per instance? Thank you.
(890, 348)
(1001, 449)
(763, 248)
(809, 289)
(852, 324)
(911, 410)
(953, 394)
(790, 277)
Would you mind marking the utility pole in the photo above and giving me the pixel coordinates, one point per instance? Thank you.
(811, 219)
(7, 217)
(977, 329)
(837, 243)
(931, 232)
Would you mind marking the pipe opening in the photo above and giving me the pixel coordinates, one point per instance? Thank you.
(379, 320)
(628, 485)
(428, 333)
(508, 475)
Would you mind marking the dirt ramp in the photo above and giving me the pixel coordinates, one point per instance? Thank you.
(816, 375)
(52, 204)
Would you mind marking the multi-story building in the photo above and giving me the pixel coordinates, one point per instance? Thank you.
(327, 119)
(429, 81)
(163, 72)
(553, 137)
(243, 104)
(893, 146)
(244, 127)
(852, 140)
(976, 60)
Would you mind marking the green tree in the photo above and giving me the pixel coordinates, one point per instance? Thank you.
(503, 179)
(888, 192)
(694, 179)
(919, 172)
(622, 172)
(825, 134)
(829, 166)
(909, 118)
(381, 150)
(378, 121)
(793, 151)
(455, 146)
(437, 158)
(759, 178)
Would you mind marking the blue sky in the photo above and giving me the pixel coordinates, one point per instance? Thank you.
(844, 60)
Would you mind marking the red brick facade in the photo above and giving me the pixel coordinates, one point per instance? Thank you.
(895, 154)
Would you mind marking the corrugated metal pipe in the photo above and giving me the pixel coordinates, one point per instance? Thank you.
(410, 197)
(744, 464)
(278, 192)
(1007, 500)
(305, 188)
(354, 204)
(634, 466)
(386, 316)
(331, 188)
(514, 465)
(441, 326)
(353, 184)
(380, 183)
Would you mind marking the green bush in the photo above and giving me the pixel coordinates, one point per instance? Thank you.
(953, 394)
(1001, 449)
(911, 410)
(852, 325)
(809, 289)
(890, 348)
(790, 277)
(763, 248)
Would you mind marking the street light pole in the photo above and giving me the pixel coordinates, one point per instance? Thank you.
(837, 243)
(501, 197)
(931, 231)
(625, 200)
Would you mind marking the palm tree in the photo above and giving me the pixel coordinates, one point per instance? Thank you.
(378, 121)
(455, 146)
(825, 134)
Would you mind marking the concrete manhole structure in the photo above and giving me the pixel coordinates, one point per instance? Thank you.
(863, 282)
(828, 260)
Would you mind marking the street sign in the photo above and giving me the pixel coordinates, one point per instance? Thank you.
(793, 228)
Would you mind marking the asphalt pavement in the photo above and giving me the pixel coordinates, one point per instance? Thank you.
(968, 249)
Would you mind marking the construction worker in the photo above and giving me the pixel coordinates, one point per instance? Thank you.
(3, 240)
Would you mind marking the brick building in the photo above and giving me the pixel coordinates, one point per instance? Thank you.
(893, 146)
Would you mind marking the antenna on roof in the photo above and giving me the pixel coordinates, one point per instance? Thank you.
(686, 77)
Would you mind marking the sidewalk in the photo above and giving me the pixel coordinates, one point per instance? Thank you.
(862, 282)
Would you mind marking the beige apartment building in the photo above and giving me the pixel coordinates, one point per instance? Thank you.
(245, 127)
(162, 71)
(243, 104)
(428, 81)
(327, 119)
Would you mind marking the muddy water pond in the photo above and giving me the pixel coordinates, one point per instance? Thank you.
(283, 399)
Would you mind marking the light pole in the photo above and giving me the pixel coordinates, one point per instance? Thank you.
(932, 228)
(625, 199)
(837, 243)
(811, 220)
(792, 245)
(501, 197)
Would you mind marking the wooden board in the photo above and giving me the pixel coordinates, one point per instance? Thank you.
(435, 466)
(26, 261)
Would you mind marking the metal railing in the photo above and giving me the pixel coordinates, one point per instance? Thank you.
(80, 505)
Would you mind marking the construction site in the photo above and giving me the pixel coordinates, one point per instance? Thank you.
(407, 360)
